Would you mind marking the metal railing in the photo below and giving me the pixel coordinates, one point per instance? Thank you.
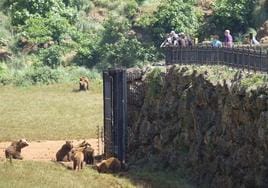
(243, 58)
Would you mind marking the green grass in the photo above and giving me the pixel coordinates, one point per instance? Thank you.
(50, 112)
(22, 174)
(159, 178)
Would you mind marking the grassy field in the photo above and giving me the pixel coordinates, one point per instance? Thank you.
(59, 112)
(50, 112)
(21, 174)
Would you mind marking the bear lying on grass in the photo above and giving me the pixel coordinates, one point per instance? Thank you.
(111, 165)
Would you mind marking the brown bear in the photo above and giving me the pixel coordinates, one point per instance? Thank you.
(111, 165)
(14, 150)
(83, 83)
(77, 156)
(64, 154)
(89, 155)
(88, 152)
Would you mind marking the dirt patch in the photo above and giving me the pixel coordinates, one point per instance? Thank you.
(45, 150)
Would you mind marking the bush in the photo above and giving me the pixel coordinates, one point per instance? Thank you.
(85, 5)
(22, 10)
(228, 15)
(41, 30)
(126, 52)
(178, 15)
(38, 75)
(155, 83)
(51, 56)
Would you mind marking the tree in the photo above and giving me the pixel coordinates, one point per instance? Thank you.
(21, 10)
(229, 15)
(40, 30)
(178, 15)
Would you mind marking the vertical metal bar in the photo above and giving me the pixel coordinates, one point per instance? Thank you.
(260, 62)
(108, 113)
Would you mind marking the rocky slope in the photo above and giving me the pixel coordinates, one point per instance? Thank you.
(215, 130)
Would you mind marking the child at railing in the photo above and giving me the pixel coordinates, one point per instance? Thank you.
(216, 42)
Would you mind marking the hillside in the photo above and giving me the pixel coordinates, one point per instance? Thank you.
(98, 34)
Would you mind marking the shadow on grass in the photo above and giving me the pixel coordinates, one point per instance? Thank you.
(154, 175)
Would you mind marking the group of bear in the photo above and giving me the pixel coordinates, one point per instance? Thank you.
(80, 154)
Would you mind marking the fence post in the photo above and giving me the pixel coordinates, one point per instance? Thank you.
(255, 59)
(260, 65)
(243, 58)
(248, 61)
(98, 136)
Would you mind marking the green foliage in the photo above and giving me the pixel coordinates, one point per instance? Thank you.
(177, 15)
(126, 52)
(38, 75)
(259, 14)
(24, 9)
(119, 48)
(114, 29)
(116, 47)
(41, 30)
(254, 81)
(51, 56)
(228, 15)
(5, 27)
(155, 82)
(79, 4)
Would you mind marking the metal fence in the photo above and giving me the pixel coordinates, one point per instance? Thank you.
(244, 58)
(115, 113)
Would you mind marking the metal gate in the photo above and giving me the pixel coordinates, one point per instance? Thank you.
(115, 113)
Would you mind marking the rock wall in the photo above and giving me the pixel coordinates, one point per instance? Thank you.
(216, 133)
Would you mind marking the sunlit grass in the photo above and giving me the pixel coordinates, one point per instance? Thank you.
(22, 174)
(50, 112)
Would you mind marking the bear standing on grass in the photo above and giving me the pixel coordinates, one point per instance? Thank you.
(14, 150)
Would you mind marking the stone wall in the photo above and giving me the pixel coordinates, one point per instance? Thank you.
(216, 132)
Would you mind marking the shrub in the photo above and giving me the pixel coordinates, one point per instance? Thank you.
(24, 9)
(178, 15)
(51, 56)
(41, 30)
(38, 75)
(228, 15)
(155, 82)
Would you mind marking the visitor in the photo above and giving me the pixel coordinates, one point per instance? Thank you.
(171, 40)
(228, 39)
(216, 42)
(253, 40)
(182, 40)
(167, 42)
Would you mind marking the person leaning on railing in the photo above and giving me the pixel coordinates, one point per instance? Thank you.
(253, 40)
(216, 42)
(228, 39)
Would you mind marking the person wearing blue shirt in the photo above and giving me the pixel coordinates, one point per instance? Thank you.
(216, 42)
